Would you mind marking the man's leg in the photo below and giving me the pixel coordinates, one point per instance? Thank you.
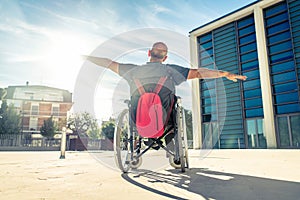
(169, 139)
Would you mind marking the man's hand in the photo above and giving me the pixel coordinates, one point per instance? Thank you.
(234, 77)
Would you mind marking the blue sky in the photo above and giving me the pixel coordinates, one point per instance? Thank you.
(41, 40)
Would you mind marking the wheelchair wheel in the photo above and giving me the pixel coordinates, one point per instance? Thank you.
(185, 142)
(174, 163)
(181, 137)
(123, 144)
(180, 151)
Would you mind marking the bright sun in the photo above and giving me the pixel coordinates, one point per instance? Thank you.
(62, 57)
(65, 51)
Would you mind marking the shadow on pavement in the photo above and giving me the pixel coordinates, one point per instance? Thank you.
(212, 185)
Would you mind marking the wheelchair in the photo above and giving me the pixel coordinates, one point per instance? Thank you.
(129, 146)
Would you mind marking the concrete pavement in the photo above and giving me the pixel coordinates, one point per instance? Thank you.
(221, 174)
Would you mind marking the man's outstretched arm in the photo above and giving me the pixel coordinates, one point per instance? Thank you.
(103, 62)
(204, 73)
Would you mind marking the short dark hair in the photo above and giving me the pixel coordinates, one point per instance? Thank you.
(159, 50)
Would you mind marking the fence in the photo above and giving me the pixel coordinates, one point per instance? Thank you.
(29, 142)
(26, 142)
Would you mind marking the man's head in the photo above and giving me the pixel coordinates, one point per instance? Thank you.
(158, 53)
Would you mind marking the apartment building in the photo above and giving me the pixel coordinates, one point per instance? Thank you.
(36, 103)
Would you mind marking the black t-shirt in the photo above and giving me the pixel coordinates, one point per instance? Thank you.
(149, 75)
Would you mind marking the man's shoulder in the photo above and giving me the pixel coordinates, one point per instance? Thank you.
(177, 68)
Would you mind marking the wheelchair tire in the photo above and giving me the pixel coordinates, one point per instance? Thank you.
(136, 163)
(174, 163)
(185, 142)
(121, 142)
(180, 151)
(181, 138)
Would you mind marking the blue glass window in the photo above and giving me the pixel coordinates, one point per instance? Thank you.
(280, 47)
(208, 93)
(280, 36)
(290, 65)
(209, 101)
(247, 39)
(206, 53)
(278, 28)
(206, 45)
(281, 57)
(206, 118)
(254, 112)
(248, 47)
(286, 98)
(250, 65)
(252, 93)
(275, 9)
(282, 65)
(277, 18)
(249, 56)
(284, 77)
(291, 86)
(288, 108)
(209, 109)
(205, 38)
(246, 30)
(245, 22)
(249, 68)
(252, 74)
(253, 103)
(251, 84)
(206, 61)
(208, 84)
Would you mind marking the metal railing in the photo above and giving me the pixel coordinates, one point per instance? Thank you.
(27, 141)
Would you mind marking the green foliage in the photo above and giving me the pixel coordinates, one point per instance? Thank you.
(2, 93)
(94, 132)
(189, 124)
(49, 128)
(84, 124)
(108, 129)
(9, 119)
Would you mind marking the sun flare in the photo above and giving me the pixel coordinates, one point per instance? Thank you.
(62, 58)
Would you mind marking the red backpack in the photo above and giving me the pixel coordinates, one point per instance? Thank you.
(149, 113)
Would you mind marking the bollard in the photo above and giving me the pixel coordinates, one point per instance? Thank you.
(63, 143)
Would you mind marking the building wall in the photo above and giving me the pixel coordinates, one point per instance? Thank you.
(33, 120)
(261, 41)
(38, 103)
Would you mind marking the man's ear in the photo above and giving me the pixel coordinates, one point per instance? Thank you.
(149, 53)
(165, 58)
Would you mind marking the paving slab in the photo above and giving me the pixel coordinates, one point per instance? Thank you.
(217, 174)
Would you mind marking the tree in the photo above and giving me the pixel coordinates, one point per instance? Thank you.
(84, 124)
(2, 93)
(108, 129)
(94, 132)
(49, 128)
(9, 119)
(189, 124)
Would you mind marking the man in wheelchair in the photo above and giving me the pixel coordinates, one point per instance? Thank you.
(147, 77)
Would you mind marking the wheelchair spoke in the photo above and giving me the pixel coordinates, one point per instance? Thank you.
(125, 145)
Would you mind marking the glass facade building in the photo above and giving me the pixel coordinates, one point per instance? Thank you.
(262, 42)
